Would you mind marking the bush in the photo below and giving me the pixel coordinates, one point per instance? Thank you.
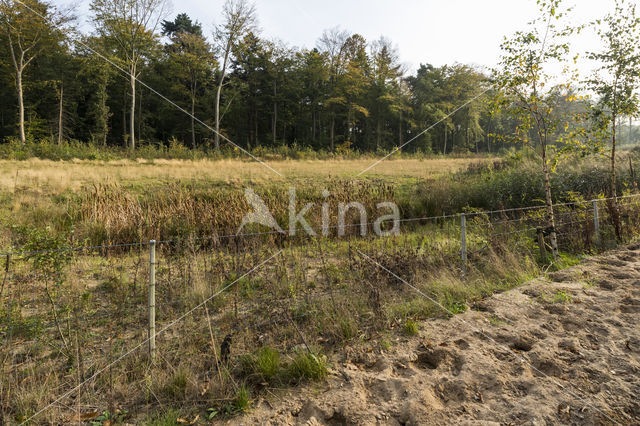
(512, 183)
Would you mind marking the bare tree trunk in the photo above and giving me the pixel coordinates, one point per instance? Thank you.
(313, 126)
(60, 114)
(444, 148)
(19, 67)
(193, 124)
(332, 132)
(613, 190)
(140, 114)
(256, 137)
(400, 141)
(217, 135)
(193, 113)
(551, 223)
(124, 117)
(219, 93)
(23, 137)
(132, 113)
(274, 126)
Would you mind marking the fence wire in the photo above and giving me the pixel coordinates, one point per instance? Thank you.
(63, 323)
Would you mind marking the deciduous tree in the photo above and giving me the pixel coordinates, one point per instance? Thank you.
(128, 29)
(238, 18)
(616, 80)
(31, 27)
(525, 83)
(190, 58)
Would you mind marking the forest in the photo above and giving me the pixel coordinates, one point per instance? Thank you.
(140, 77)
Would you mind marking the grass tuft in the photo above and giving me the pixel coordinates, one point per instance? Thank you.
(410, 327)
(307, 366)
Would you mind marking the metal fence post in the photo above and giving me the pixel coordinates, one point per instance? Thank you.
(596, 222)
(463, 240)
(152, 299)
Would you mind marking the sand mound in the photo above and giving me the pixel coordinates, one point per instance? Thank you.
(564, 350)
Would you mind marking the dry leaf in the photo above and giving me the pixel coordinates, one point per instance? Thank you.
(187, 422)
(89, 416)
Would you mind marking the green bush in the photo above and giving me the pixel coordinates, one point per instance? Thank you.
(513, 183)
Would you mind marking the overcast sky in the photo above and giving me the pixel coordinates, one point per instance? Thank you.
(425, 31)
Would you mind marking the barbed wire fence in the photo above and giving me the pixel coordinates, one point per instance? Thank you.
(69, 314)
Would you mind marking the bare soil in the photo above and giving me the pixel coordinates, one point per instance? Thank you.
(564, 349)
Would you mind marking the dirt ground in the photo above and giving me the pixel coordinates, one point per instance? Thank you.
(560, 350)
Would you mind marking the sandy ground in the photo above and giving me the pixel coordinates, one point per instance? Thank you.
(562, 350)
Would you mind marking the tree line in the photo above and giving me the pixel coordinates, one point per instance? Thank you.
(139, 76)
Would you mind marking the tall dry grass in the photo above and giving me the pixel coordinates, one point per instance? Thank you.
(62, 175)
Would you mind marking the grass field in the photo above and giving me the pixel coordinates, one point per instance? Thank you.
(55, 175)
(66, 315)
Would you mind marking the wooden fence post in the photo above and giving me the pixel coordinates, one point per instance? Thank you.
(152, 299)
(463, 241)
(596, 222)
(541, 244)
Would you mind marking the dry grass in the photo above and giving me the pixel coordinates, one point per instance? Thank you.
(322, 293)
(58, 175)
(319, 290)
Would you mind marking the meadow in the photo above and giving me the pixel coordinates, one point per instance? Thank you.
(74, 322)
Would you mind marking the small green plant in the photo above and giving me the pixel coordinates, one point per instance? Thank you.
(587, 284)
(561, 297)
(385, 345)
(241, 401)
(262, 365)
(14, 324)
(109, 418)
(268, 363)
(212, 413)
(566, 260)
(410, 327)
(307, 366)
(177, 385)
(248, 287)
(347, 328)
(457, 307)
(498, 321)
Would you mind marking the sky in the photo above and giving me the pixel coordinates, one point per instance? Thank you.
(424, 31)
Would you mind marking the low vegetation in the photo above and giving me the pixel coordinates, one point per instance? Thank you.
(66, 315)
